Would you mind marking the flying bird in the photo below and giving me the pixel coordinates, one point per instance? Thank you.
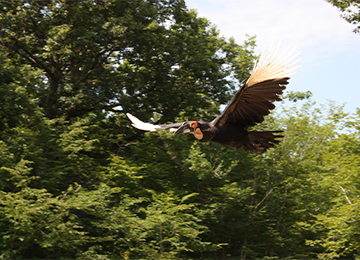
(247, 107)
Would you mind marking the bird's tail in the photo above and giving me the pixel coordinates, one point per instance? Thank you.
(261, 141)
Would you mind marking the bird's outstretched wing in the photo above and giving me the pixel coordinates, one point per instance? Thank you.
(254, 100)
(150, 127)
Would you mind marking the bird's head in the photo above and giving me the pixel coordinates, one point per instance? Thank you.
(190, 127)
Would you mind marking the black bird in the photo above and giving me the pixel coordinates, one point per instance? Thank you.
(247, 107)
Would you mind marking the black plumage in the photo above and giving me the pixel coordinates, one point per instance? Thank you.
(250, 104)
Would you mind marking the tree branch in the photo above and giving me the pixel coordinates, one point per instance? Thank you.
(267, 194)
(96, 63)
(344, 192)
(26, 54)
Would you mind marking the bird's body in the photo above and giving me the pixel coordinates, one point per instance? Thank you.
(230, 135)
(247, 107)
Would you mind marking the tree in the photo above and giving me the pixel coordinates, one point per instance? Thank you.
(133, 54)
(341, 178)
(155, 57)
(65, 66)
(351, 8)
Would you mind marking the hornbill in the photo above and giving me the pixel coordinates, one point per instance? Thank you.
(246, 108)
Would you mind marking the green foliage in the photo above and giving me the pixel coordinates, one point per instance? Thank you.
(135, 54)
(34, 219)
(351, 10)
(77, 181)
(296, 95)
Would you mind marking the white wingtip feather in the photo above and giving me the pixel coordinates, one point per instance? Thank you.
(140, 124)
(272, 66)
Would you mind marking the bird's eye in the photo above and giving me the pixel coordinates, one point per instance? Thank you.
(193, 124)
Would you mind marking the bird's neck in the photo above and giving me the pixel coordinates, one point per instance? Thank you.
(208, 132)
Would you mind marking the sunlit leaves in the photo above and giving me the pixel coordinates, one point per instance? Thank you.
(350, 9)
